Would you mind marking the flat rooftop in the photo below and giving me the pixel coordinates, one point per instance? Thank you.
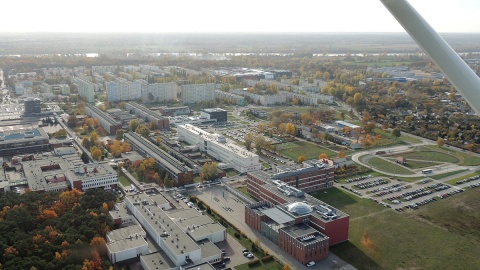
(320, 207)
(211, 110)
(21, 132)
(125, 233)
(125, 244)
(157, 261)
(304, 233)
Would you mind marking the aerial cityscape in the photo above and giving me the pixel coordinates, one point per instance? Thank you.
(240, 150)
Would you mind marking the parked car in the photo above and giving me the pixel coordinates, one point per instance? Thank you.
(310, 264)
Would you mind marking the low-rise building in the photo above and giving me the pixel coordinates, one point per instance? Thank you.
(312, 176)
(126, 244)
(107, 122)
(21, 139)
(220, 148)
(69, 171)
(149, 115)
(220, 115)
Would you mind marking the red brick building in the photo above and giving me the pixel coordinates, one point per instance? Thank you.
(298, 223)
(314, 175)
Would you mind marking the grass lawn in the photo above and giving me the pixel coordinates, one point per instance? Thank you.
(409, 139)
(440, 235)
(123, 180)
(386, 166)
(231, 172)
(309, 150)
(443, 175)
(272, 265)
(349, 203)
(244, 191)
(454, 181)
(419, 164)
(431, 155)
(465, 158)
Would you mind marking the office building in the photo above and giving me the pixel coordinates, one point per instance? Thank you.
(22, 139)
(68, 171)
(33, 106)
(176, 169)
(149, 115)
(186, 237)
(312, 176)
(175, 111)
(107, 122)
(298, 223)
(219, 147)
(216, 113)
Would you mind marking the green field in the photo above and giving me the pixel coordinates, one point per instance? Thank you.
(440, 235)
(309, 150)
(389, 167)
(430, 155)
(417, 164)
(447, 174)
(464, 158)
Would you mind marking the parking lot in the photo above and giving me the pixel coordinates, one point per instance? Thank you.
(400, 195)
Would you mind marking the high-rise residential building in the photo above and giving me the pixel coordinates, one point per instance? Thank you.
(194, 93)
(123, 90)
(159, 92)
(86, 90)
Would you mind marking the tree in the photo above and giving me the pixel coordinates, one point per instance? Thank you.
(440, 142)
(341, 154)
(142, 130)
(96, 153)
(260, 143)
(72, 121)
(209, 171)
(119, 134)
(301, 159)
(248, 141)
(322, 156)
(286, 267)
(290, 129)
(396, 132)
(133, 124)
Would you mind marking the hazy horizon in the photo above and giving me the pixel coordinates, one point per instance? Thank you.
(213, 16)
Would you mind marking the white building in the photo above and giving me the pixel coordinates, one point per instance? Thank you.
(123, 90)
(126, 243)
(220, 148)
(173, 239)
(86, 90)
(159, 92)
(194, 93)
(104, 69)
(264, 100)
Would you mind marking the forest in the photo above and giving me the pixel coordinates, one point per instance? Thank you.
(52, 230)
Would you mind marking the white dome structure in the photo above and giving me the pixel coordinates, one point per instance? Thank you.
(299, 208)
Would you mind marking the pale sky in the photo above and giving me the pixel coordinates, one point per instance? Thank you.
(228, 16)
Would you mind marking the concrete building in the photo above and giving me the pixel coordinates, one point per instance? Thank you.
(176, 169)
(62, 151)
(123, 90)
(33, 106)
(322, 217)
(68, 171)
(107, 122)
(215, 113)
(158, 92)
(86, 90)
(313, 176)
(120, 215)
(264, 100)
(195, 93)
(149, 115)
(22, 139)
(220, 148)
(126, 243)
(175, 111)
(232, 98)
(104, 69)
(172, 236)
